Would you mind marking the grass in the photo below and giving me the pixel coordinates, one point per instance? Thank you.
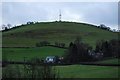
(29, 35)
(85, 71)
(0, 72)
(18, 54)
(111, 61)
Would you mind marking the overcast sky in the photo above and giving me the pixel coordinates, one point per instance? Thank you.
(86, 12)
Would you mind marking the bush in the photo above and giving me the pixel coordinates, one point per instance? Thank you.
(59, 44)
(43, 43)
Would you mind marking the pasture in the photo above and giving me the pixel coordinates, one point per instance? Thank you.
(18, 54)
(78, 71)
(111, 61)
(85, 71)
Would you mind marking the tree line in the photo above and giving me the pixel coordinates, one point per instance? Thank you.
(79, 51)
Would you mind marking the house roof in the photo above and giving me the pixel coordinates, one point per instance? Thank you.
(50, 57)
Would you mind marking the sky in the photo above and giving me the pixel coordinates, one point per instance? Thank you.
(95, 13)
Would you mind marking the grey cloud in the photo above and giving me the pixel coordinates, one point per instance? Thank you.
(91, 12)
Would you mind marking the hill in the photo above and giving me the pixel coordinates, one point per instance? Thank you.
(64, 32)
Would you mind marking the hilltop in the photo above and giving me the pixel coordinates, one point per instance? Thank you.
(63, 32)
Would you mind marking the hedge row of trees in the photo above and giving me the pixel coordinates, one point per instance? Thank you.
(32, 71)
(43, 43)
(46, 43)
(9, 26)
(59, 44)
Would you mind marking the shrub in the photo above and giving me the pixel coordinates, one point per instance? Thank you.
(59, 44)
(43, 43)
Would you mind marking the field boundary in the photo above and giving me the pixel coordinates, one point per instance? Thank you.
(59, 64)
(37, 47)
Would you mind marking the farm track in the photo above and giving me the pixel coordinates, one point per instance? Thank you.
(60, 64)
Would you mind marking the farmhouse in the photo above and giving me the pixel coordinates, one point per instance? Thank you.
(95, 55)
(91, 52)
(50, 59)
(99, 55)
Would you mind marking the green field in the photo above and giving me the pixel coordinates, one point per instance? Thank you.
(18, 54)
(111, 61)
(0, 72)
(29, 35)
(84, 71)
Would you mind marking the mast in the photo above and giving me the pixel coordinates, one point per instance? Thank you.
(60, 15)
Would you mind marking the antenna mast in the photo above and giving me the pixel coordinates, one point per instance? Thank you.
(60, 15)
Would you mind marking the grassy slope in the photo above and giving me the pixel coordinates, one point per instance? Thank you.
(55, 32)
(18, 54)
(84, 71)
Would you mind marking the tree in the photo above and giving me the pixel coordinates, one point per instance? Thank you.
(62, 44)
(77, 52)
(4, 26)
(78, 40)
(109, 48)
(115, 44)
(9, 26)
(43, 43)
(114, 30)
(99, 45)
(33, 70)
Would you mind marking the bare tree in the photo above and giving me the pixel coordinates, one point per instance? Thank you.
(9, 26)
(3, 27)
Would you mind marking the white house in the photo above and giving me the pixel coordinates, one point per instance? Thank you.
(91, 52)
(50, 59)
